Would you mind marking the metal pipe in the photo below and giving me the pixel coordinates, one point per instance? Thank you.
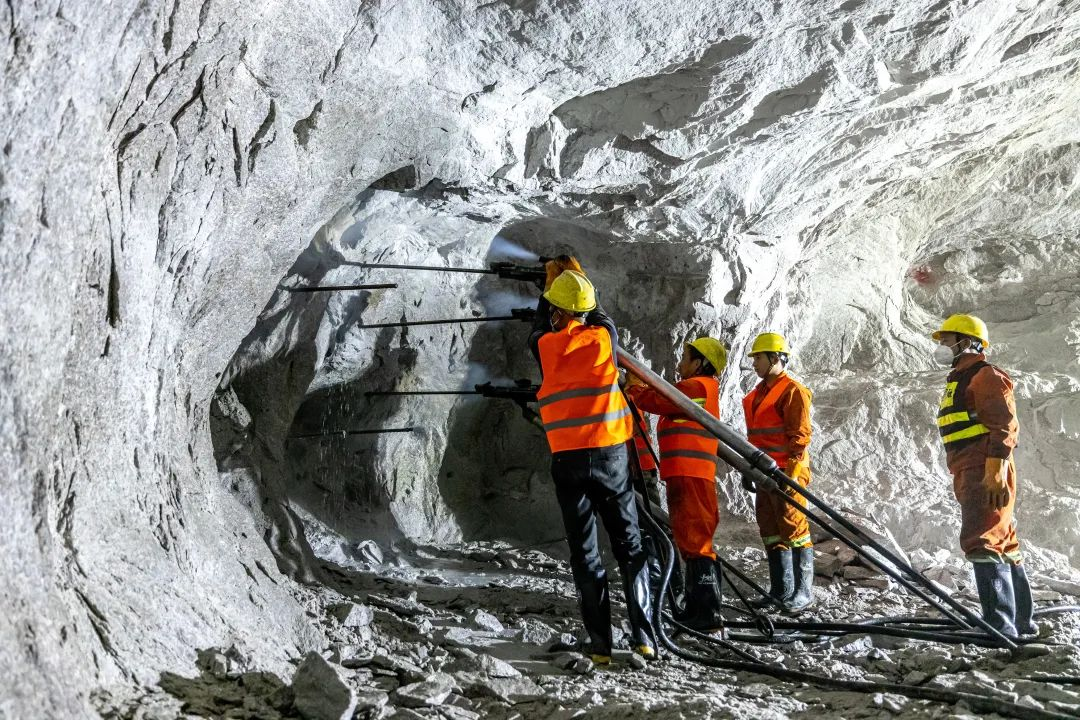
(374, 393)
(335, 288)
(743, 456)
(343, 433)
(432, 268)
(450, 321)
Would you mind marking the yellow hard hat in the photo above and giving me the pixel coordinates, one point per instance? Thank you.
(573, 292)
(964, 325)
(713, 350)
(769, 342)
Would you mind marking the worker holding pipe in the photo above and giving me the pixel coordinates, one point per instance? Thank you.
(588, 425)
(777, 414)
(978, 426)
(688, 470)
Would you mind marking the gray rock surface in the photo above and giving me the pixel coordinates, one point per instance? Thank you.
(847, 174)
(320, 691)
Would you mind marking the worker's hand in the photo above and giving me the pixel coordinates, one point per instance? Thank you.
(556, 267)
(632, 380)
(996, 482)
(748, 484)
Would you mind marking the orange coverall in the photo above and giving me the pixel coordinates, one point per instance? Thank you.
(987, 534)
(781, 525)
(692, 503)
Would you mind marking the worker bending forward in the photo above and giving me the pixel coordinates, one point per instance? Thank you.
(588, 424)
(688, 469)
(778, 423)
(977, 422)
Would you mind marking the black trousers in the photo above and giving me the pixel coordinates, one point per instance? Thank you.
(593, 483)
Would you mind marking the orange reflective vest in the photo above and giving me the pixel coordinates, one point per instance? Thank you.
(765, 426)
(581, 404)
(686, 448)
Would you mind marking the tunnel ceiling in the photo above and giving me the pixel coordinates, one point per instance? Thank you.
(845, 173)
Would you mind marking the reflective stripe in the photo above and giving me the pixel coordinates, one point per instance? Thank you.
(578, 422)
(973, 431)
(770, 539)
(773, 448)
(765, 431)
(576, 393)
(701, 432)
(953, 418)
(696, 454)
(803, 541)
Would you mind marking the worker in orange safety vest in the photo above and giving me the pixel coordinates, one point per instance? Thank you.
(588, 425)
(777, 414)
(978, 426)
(688, 470)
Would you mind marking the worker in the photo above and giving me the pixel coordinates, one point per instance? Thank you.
(588, 426)
(688, 470)
(978, 426)
(777, 414)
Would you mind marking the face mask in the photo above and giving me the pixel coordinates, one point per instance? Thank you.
(943, 355)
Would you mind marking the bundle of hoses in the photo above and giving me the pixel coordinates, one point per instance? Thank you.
(763, 471)
(751, 664)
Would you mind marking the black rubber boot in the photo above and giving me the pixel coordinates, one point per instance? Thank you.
(1025, 608)
(994, 582)
(703, 596)
(639, 607)
(802, 562)
(781, 578)
(596, 615)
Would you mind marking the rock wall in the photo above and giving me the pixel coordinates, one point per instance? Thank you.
(846, 173)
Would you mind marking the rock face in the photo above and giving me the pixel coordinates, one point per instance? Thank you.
(845, 173)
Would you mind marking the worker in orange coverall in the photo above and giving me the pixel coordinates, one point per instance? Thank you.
(978, 426)
(688, 469)
(777, 414)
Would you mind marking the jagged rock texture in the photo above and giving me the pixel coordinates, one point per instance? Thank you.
(843, 172)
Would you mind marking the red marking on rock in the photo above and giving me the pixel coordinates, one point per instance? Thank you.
(922, 275)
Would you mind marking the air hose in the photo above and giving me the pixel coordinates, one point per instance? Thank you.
(978, 703)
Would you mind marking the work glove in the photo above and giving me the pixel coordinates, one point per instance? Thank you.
(632, 380)
(995, 482)
(748, 484)
(556, 267)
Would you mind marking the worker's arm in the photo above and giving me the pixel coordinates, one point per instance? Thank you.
(795, 408)
(650, 401)
(541, 325)
(599, 318)
(991, 394)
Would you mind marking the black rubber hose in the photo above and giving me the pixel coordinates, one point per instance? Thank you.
(969, 637)
(1056, 609)
(978, 703)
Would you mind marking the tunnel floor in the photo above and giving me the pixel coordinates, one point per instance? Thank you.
(465, 631)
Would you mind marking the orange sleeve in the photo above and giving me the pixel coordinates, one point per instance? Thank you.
(795, 407)
(650, 401)
(991, 394)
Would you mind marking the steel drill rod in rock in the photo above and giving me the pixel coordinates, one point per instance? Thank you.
(523, 314)
(343, 433)
(737, 451)
(505, 270)
(336, 288)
